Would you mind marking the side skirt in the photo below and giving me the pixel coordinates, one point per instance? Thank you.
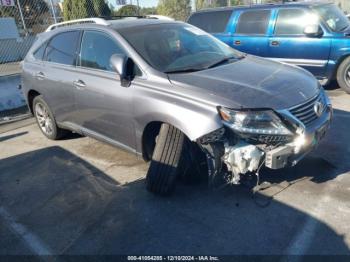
(87, 132)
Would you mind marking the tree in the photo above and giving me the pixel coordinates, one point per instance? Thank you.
(148, 11)
(177, 9)
(101, 8)
(200, 4)
(127, 10)
(67, 7)
(76, 9)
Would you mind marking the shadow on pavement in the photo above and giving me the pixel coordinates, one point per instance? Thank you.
(4, 138)
(75, 208)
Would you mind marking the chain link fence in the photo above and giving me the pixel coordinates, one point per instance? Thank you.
(20, 22)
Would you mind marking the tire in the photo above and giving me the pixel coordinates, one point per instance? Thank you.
(45, 119)
(166, 161)
(343, 75)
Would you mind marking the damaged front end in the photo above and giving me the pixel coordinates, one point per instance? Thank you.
(252, 138)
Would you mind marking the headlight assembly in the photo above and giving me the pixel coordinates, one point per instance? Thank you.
(254, 122)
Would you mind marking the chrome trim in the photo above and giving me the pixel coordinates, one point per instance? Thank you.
(301, 62)
(303, 115)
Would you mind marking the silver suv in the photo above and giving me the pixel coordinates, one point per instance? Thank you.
(175, 95)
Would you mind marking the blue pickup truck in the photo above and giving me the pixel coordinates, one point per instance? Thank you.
(313, 35)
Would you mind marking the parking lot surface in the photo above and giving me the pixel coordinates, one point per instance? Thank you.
(80, 196)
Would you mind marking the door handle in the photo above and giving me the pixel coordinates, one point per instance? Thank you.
(40, 76)
(238, 42)
(274, 43)
(79, 84)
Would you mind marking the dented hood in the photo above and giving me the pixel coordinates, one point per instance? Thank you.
(251, 82)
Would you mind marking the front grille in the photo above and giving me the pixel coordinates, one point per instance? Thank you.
(273, 139)
(306, 112)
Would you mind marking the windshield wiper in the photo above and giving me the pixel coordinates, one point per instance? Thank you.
(343, 29)
(186, 70)
(190, 70)
(224, 61)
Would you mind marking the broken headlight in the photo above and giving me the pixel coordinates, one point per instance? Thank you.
(254, 122)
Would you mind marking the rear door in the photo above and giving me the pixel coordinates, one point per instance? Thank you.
(216, 23)
(103, 105)
(57, 74)
(289, 43)
(251, 31)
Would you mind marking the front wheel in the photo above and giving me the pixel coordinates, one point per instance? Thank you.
(46, 120)
(166, 160)
(343, 75)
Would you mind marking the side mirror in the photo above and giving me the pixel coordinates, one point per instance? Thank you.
(313, 31)
(119, 64)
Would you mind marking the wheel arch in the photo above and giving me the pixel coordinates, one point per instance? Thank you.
(149, 135)
(339, 62)
(30, 98)
(192, 130)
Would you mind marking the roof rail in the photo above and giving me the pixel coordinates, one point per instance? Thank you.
(98, 21)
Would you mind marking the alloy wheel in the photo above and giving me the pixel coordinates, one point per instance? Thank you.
(347, 76)
(44, 119)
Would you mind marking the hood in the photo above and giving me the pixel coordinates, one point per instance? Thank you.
(251, 82)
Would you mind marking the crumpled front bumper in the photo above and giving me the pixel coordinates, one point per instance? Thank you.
(290, 154)
(234, 154)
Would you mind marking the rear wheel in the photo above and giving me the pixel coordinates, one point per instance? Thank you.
(343, 75)
(166, 160)
(46, 120)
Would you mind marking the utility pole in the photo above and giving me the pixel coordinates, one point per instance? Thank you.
(53, 12)
(138, 8)
(22, 17)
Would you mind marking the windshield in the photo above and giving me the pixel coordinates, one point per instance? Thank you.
(334, 17)
(178, 47)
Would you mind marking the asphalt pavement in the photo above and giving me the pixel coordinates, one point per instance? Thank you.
(80, 196)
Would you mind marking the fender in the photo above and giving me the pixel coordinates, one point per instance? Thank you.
(340, 50)
(194, 118)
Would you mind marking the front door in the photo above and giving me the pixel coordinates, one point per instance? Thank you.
(289, 43)
(103, 105)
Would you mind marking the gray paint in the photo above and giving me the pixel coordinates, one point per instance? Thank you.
(106, 110)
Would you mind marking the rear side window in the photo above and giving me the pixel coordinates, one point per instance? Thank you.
(62, 48)
(211, 22)
(97, 49)
(39, 53)
(253, 22)
(291, 22)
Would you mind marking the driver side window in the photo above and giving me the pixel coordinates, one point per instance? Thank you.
(96, 51)
(293, 21)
